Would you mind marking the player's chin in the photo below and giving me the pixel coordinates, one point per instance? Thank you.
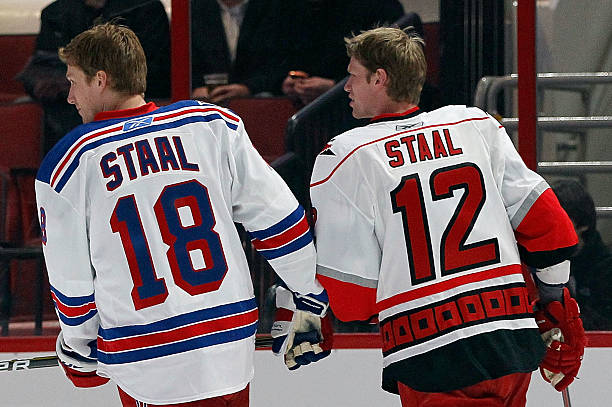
(356, 113)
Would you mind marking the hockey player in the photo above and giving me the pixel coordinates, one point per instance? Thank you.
(423, 220)
(137, 211)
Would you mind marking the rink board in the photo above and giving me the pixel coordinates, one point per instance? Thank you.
(349, 377)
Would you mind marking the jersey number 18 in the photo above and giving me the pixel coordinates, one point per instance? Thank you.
(148, 288)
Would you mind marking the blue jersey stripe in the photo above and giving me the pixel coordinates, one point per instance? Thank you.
(178, 347)
(137, 132)
(65, 144)
(295, 245)
(281, 226)
(75, 321)
(179, 320)
(72, 301)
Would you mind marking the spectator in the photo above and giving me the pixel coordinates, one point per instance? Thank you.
(591, 264)
(44, 75)
(318, 28)
(239, 41)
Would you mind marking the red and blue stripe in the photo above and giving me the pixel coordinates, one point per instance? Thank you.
(194, 330)
(73, 311)
(59, 167)
(287, 236)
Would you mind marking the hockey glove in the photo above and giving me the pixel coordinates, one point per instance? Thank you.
(80, 371)
(563, 333)
(301, 330)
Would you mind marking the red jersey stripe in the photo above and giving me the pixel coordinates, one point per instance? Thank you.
(78, 145)
(178, 334)
(387, 137)
(448, 285)
(72, 312)
(282, 239)
(194, 110)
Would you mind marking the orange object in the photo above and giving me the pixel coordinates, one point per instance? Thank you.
(298, 74)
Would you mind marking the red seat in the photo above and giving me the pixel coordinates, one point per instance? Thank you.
(21, 134)
(10, 211)
(265, 120)
(15, 50)
(21, 284)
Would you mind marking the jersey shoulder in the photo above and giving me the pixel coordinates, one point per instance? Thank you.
(454, 113)
(89, 136)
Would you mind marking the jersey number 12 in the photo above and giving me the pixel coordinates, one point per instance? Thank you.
(455, 254)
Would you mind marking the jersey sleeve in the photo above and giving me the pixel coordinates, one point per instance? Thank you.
(348, 252)
(543, 231)
(263, 203)
(71, 276)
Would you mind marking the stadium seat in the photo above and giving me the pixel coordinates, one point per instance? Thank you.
(15, 50)
(21, 133)
(22, 291)
(265, 120)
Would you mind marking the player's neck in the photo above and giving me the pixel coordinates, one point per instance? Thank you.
(393, 107)
(122, 102)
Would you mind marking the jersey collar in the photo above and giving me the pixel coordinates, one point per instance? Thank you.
(118, 114)
(396, 116)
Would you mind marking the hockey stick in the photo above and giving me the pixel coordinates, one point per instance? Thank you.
(262, 342)
(566, 397)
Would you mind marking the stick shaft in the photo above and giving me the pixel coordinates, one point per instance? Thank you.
(566, 397)
(262, 342)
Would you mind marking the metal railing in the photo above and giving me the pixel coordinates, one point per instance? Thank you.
(307, 133)
(489, 89)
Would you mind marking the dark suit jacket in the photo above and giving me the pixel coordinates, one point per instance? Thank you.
(319, 28)
(261, 45)
(63, 20)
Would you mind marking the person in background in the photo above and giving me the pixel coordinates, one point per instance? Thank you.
(238, 48)
(591, 265)
(317, 58)
(44, 76)
(137, 208)
(423, 221)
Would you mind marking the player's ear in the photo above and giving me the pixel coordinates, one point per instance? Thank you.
(101, 79)
(380, 77)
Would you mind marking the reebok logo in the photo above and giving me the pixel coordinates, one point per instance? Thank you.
(134, 124)
(401, 127)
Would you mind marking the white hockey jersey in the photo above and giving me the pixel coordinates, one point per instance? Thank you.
(417, 221)
(148, 274)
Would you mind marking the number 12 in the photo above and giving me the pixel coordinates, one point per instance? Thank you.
(455, 254)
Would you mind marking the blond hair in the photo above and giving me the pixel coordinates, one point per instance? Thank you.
(399, 52)
(111, 48)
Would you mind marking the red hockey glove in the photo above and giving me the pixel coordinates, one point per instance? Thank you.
(563, 333)
(79, 370)
(83, 379)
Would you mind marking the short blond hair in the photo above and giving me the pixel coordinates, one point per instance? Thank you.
(399, 52)
(111, 48)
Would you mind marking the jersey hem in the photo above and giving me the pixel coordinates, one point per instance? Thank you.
(186, 399)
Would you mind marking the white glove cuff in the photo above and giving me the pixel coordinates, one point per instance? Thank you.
(556, 274)
(65, 354)
(284, 299)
